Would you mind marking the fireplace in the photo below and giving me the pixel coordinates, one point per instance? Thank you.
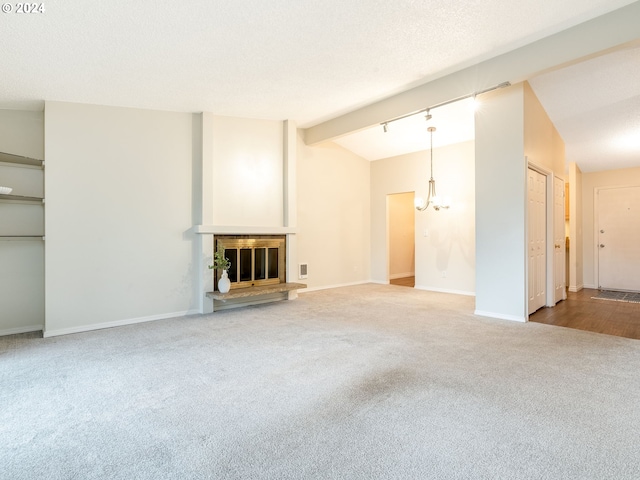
(258, 272)
(256, 260)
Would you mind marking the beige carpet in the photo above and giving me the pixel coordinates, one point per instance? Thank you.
(364, 382)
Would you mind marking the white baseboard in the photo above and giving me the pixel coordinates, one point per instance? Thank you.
(575, 289)
(501, 316)
(117, 323)
(595, 287)
(25, 329)
(327, 287)
(402, 275)
(445, 290)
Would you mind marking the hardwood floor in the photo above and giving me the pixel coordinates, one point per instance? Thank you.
(404, 282)
(582, 312)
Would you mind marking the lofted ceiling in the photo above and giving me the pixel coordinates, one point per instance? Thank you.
(313, 61)
(594, 104)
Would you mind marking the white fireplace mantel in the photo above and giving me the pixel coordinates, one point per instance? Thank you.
(242, 230)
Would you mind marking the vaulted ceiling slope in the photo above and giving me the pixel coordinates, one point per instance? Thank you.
(304, 61)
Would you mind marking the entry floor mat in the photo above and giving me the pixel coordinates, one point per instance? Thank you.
(631, 297)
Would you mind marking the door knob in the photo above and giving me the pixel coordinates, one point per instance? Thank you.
(557, 246)
(602, 245)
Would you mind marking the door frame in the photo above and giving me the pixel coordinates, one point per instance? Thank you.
(563, 220)
(549, 283)
(388, 233)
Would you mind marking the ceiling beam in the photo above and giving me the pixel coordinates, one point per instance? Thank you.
(586, 39)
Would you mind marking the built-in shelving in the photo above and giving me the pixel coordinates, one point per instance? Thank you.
(21, 216)
(22, 222)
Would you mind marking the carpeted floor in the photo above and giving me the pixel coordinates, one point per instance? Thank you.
(364, 382)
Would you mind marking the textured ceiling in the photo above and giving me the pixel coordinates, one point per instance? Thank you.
(282, 59)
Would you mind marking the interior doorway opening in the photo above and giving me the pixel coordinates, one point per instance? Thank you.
(401, 250)
(546, 249)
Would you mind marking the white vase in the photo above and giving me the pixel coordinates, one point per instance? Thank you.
(224, 284)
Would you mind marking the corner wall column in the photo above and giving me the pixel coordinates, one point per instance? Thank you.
(203, 206)
(290, 217)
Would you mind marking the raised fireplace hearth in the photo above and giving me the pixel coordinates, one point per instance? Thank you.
(258, 272)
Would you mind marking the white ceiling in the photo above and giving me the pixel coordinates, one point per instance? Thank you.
(595, 106)
(453, 122)
(299, 60)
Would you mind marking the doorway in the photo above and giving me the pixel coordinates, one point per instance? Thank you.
(546, 242)
(401, 257)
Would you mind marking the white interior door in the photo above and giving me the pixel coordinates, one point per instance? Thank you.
(559, 239)
(619, 238)
(537, 244)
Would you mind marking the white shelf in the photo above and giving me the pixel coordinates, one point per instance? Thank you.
(20, 238)
(18, 160)
(21, 198)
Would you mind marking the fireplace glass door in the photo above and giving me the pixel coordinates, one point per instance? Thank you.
(254, 261)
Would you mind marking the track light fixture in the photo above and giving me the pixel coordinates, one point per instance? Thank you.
(428, 109)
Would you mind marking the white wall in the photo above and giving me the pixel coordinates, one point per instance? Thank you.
(247, 172)
(501, 205)
(333, 215)
(21, 261)
(22, 133)
(625, 177)
(119, 215)
(449, 247)
(22, 286)
(125, 187)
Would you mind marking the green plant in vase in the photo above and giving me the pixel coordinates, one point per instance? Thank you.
(220, 262)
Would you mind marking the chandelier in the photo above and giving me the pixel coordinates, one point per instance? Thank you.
(432, 197)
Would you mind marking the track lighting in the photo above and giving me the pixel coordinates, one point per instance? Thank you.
(427, 110)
